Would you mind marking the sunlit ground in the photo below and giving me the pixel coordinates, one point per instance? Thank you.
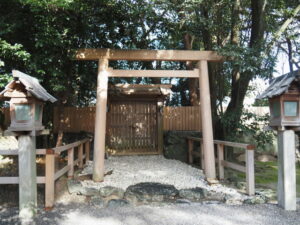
(210, 214)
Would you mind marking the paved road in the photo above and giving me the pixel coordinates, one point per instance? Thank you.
(209, 214)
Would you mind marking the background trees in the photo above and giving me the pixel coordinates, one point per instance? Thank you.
(39, 37)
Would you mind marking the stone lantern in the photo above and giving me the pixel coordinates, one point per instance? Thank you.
(26, 97)
(284, 98)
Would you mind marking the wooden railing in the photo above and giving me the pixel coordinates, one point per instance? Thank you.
(248, 168)
(50, 175)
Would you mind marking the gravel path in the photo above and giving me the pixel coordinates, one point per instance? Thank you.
(194, 214)
(129, 170)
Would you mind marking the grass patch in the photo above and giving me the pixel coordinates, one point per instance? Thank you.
(265, 175)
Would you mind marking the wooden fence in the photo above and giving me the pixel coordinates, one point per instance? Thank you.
(83, 119)
(75, 119)
(248, 168)
(182, 118)
(52, 173)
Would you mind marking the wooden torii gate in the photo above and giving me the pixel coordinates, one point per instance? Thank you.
(105, 55)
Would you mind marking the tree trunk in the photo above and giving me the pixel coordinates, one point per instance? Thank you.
(240, 81)
(290, 53)
(193, 85)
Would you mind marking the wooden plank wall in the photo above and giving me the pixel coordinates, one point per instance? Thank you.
(82, 119)
(174, 118)
(75, 119)
(182, 118)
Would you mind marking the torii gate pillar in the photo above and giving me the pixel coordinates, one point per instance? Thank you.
(100, 121)
(206, 119)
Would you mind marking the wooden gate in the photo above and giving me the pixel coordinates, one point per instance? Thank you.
(132, 127)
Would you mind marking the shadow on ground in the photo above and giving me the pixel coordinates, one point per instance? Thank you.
(217, 214)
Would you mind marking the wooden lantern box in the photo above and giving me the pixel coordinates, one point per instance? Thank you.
(27, 98)
(284, 99)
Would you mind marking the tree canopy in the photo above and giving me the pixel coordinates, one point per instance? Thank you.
(39, 37)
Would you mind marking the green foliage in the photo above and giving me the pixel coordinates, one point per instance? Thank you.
(261, 102)
(11, 56)
(248, 60)
(252, 128)
(39, 37)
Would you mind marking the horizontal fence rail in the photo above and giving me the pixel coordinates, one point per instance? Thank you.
(51, 175)
(248, 169)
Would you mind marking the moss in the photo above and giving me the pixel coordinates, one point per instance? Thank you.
(265, 175)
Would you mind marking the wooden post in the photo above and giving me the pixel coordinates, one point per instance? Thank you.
(207, 129)
(27, 177)
(100, 121)
(160, 132)
(80, 156)
(71, 163)
(202, 155)
(220, 159)
(50, 181)
(190, 145)
(87, 151)
(250, 177)
(286, 190)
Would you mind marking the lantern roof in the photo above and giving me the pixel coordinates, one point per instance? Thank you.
(31, 84)
(280, 85)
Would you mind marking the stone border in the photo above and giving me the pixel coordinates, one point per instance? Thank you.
(149, 193)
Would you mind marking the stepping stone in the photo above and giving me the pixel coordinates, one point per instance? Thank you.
(74, 186)
(110, 191)
(215, 196)
(113, 203)
(193, 194)
(150, 192)
(89, 191)
(97, 201)
(256, 200)
(183, 201)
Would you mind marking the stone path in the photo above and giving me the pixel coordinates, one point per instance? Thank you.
(145, 179)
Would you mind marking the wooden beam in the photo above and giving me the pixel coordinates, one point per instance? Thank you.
(147, 55)
(71, 163)
(15, 180)
(154, 73)
(220, 159)
(207, 130)
(80, 156)
(50, 180)
(61, 172)
(234, 166)
(87, 151)
(190, 151)
(250, 172)
(160, 131)
(100, 121)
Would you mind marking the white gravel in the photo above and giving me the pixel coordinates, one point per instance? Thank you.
(129, 170)
(194, 214)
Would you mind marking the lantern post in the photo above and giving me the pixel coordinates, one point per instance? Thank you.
(27, 98)
(284, 101)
